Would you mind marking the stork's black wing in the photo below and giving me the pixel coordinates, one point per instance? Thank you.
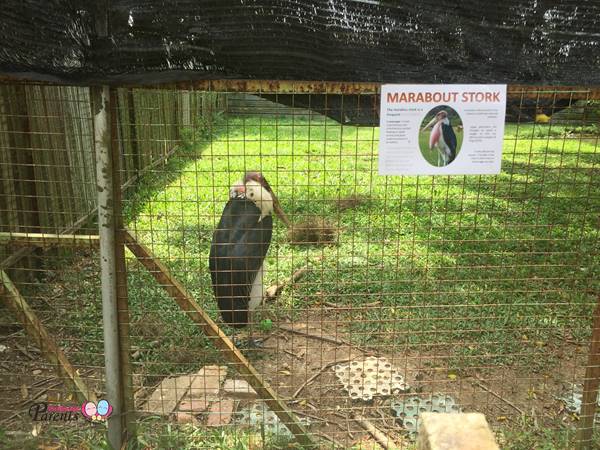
(450, 140)
(239, 246)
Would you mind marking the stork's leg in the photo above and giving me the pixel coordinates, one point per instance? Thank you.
(256, 298)
(257, 292)
(444, 155)
(439, 152)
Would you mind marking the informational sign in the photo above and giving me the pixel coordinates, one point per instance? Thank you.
(434, 129)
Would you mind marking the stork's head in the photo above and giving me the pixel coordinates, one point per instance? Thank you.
(441, 116)
(256, 188)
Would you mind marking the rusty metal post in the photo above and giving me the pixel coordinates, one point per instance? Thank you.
(591, 383)
(106, 230)
(128, 405)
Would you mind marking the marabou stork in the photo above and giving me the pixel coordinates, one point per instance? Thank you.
(442, 137)
(239, 246)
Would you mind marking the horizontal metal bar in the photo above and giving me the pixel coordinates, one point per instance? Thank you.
(43, 239)
(325, 87)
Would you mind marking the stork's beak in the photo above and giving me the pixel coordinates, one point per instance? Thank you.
(276, 205)
(433, 121)
(279, 211)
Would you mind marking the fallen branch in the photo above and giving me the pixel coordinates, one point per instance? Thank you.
(332, 305)
(292, 354)
(321, 370)
(325, 338)
(312, 416)
(273, 291)
(384, 440)
(314, 336)
(498, 396)
(24, 351)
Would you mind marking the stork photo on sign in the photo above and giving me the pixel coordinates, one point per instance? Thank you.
(441, 129)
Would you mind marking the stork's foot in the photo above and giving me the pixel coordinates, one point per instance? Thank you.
(256, 342)
(249, 343)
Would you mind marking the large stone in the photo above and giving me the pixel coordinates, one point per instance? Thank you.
(166, 396)
(220, 413)
(196, 405)
(239, 389)
(455, 432)
(192, 392)
(207, 382)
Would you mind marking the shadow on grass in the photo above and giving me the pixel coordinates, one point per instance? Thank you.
(509, 269)
(155, 181)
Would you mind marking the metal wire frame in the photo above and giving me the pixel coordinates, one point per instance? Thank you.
(475, 287)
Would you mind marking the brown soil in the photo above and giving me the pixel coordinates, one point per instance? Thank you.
(501, 393)
(289, 359)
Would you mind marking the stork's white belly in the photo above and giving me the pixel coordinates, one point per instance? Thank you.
(256, 293)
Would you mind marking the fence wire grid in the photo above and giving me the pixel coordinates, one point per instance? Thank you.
(385, 297)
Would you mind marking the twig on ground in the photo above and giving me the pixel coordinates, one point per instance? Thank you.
(314, 336)
(330, 339)
(24, 351)
(498, 396)
(292, 354)
(351, 307)
(312, 416)
(273, 291)
(384, 440)
(29, 400)
(321, 370)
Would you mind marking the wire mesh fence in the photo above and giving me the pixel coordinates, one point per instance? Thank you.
(381, 298)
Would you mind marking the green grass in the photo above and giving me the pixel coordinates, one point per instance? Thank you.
(153, 433)
(494, 263)
(488, 270)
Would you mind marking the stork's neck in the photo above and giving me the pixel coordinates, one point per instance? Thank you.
(257, 194)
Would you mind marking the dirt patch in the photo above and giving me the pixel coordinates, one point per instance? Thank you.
(313, 231)
(298, 359)
(27, 378)
(503, 394)
(351, 202)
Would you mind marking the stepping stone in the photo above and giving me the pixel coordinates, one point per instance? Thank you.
(239, 389)
(220, 413)
(207, 383)
(470, 431)
(193, 405)
(166, 396)
(193, 392)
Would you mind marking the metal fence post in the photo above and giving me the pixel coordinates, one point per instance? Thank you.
(106, 226)
(128, 404)
(591, 386)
